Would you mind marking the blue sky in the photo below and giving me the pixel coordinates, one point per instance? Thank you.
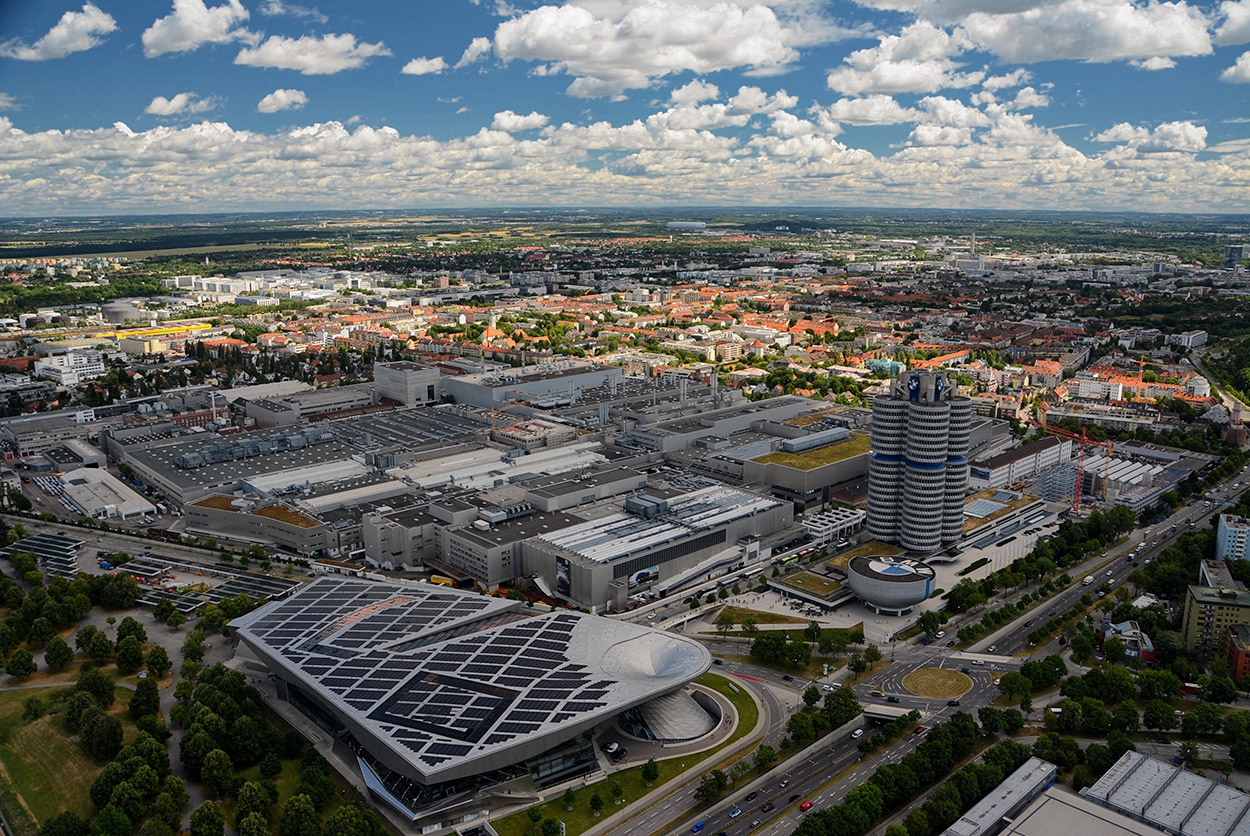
(121, 106)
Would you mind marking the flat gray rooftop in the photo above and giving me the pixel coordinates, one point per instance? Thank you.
(1171, 798)
(161, 460)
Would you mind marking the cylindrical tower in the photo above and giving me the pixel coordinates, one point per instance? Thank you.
(885, 468)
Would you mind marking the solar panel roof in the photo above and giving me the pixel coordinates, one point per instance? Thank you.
(454, 683)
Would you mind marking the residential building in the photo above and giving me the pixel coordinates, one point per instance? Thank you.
(1188, 339)
(1210, 612)
(1238, 651)
(1231, 536)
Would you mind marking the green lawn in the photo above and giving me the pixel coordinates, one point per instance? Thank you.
(47, 772)
(806, 581)
(580, 818)
(741, 614)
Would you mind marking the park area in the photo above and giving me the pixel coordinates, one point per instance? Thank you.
(937, 683)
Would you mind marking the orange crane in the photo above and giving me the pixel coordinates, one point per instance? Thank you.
(1084, 441)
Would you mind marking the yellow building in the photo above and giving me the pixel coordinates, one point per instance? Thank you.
(1209, 614)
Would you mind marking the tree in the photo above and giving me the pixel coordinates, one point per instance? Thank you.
(130, 627)
(83, 637)
(176, 620)
(765, 756)
(216, 772)
(113, 822)
(33, 708)
(929, 621)
(299, 818)
(66, 824)
(207, 820)
(129, 656)
(725, 623)
(990, 718)
(1082, 647)
(617, 792)
(100, 649)
(158, 662)
(58, 654)
(550, 827)
(596, 804)
(95, 683)
(535, 816)
(146, 700)
(253, 800)
(1114, 651)
(253, 824)
(857, 664)
(872, 654)
(711, 786)
(811, 695)
(21, 664)
(750, 627)
(570, 798)
(1014, 685)
(103, 738)
(650, 771)
(1158, 715)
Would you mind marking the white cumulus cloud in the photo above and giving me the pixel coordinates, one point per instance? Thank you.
(282, 99)
(1238, 73)
(1169, 137)
(510, 122)
(326, 55)
(1158, 62)
(1091, 30)
(181, 104)
(424, 66)
(74, 32)
(611, 46)
(694, 92)
(1235, 26)
(920, 59)
(1028, 97)
(193, 24)
(477, 49)
(877, 109)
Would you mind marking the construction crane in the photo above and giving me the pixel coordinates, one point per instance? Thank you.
(1084, 441)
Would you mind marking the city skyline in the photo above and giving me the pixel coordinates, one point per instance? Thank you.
(158, 107)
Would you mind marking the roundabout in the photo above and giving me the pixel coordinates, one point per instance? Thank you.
(937, 683)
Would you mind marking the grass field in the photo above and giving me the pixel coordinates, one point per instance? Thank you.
(741, 614)
(937, 683)
(856, 445)
(47, 772)
(580, 818)
(815, 584)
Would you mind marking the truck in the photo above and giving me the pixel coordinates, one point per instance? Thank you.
(1088, 580)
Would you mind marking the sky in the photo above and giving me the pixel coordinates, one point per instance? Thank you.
(157, 106)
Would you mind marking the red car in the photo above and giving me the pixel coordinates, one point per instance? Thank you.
(805, 806)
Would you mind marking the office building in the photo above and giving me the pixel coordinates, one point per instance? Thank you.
(1230, 537)
(918, 467)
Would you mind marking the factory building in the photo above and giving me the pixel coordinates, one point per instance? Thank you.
(495, 389)
(918, 467)
(600, 563)
(407, 383)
